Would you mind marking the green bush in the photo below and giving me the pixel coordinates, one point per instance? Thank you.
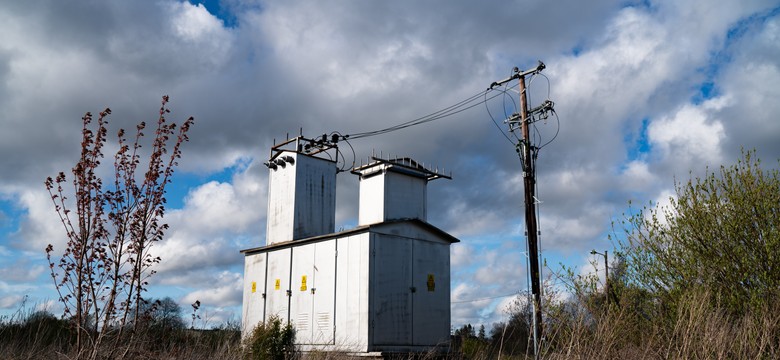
(720, 233)
(271, 340)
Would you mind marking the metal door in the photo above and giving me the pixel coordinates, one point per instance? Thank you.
(254, 291)
(430, 303)
(313, 292)
(392, 290)
(278, 285)
(323, 292)
(301, 299)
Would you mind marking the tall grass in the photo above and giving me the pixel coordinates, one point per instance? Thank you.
(696, 330)
(30, 334)
(693, 330)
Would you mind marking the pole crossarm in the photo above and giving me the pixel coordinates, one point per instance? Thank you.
(517, 74)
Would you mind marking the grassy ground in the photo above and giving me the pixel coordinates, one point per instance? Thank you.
(40, 335)
(696, 331)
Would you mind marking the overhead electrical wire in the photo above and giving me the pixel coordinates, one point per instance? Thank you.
(450, 110)
(344, 166)
(487, 108)
(456, 108)
(557, 130)
(503, 100)
(485, 298)
(558, 121)
(459, 107)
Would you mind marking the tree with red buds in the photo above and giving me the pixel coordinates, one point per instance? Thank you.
(104, 269)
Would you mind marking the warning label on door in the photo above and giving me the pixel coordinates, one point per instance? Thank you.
(303, 283)
(278, 284)
(254, 286)
(431, 283)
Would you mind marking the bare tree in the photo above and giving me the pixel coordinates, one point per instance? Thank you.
(106, 264)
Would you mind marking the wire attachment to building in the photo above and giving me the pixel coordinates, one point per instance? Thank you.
(324, 146)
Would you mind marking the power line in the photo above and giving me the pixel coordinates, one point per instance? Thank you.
(456, 108)
(486, 298)
(450, 110)
(487, 108)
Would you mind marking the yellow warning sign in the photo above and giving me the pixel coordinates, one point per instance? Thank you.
(303, 283)
(278, 284)
(431, 283)
(254, 286)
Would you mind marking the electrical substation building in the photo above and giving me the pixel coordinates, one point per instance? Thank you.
(383, 286)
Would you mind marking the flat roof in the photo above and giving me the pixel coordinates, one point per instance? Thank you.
(357, 230)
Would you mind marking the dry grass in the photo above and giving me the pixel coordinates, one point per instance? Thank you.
(695, 330)
(39, 335)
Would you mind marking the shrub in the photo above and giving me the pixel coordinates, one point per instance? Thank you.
(720, 233)
(271, 340)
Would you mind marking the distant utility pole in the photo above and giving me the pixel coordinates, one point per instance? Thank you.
(528, 153)
(606, 273)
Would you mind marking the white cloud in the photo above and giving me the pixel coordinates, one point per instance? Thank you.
(21, 270)
(363, 66)
(690, 136)
(195, 25)
(194, 22)
(461, 255)
(208, 230)
(478, 290)
(225, 290)
(637, 176)
(40, 225)
(473, 220)
(10, 301)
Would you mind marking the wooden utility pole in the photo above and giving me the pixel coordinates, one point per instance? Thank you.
(527, 152)
(606, 274)
(529, 182)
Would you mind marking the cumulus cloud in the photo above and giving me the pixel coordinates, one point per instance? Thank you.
(483, 278)
(689, 135)
(616, 69)
(21, 270)
(225, 291)
(218, 219)
(40, 226)
(10, 301)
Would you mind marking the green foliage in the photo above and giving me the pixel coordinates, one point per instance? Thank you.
(696, 279)
(270, 340)
(721, 233)
(473, 348)
(468, 345)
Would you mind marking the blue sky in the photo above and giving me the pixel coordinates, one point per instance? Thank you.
(646, 91)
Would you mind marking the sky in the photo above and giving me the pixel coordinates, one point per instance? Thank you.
(646, 92)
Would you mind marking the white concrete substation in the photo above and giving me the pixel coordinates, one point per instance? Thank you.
(383, 286)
